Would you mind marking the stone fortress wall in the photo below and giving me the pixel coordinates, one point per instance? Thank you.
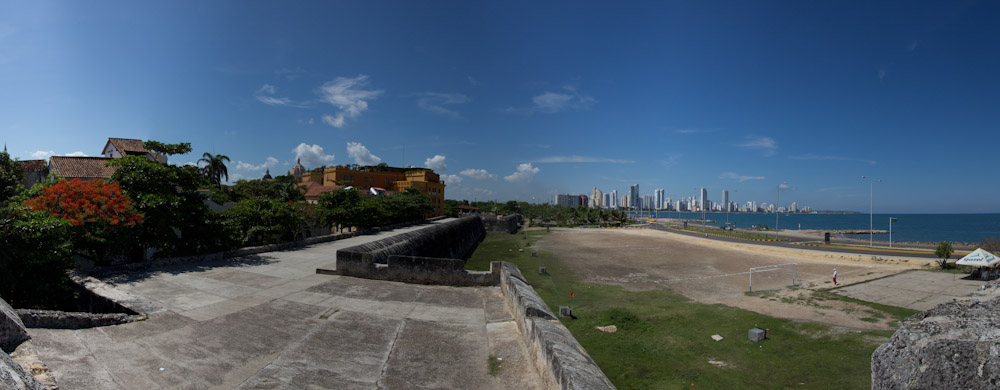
(432, 255)
(436, 255)
(501, 223)
(955, 345)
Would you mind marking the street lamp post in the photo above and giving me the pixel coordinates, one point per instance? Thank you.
(871, 209)
(776, 209)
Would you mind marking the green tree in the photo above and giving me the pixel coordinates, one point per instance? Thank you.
(10, 177)
(280, 188)
(102, 218)
(167, 196)
(339, 207)
(261, 221)
(34, 257)
(943, 252)
(215, 167)
(167, 149)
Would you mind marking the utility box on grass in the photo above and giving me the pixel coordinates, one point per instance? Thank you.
(757, 334)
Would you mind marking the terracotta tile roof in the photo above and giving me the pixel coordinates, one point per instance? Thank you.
(314, 190)
(33, 166)
(81, 167)
(128, 146)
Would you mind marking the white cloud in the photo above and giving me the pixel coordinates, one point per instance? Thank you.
(831, 158)
(335, 121)
(312, 155)
(581, 159)
(270, 163)
(783, 186)
(265, 94)
(435, 102)
(361, 154)
(346, 94)
(478, 174)
(41, 154)
(77, 154)
(764, 144)
(732, 175)
(190, 164)
(525, 174)
(670, 161)
(551, 102)
(451, 179)
(693, 131)
(436, 163)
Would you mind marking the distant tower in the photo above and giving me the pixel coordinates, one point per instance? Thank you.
(704, 199)
(633, 196)
(725, 200)
(298, 170)
(267, 175)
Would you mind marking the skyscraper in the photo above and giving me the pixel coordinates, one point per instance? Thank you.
(703, 203)
(659, 198)
(725, 200)
(633, 195)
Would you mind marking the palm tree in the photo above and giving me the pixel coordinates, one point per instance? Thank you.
(215, 168)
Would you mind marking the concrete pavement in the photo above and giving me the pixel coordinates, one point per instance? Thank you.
(918, 290)
(269, 321)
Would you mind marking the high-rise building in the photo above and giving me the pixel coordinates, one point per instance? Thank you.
(794, 207)
(615, 200)
(725, 200)
(633, 196)
(625, 201)
(567, 200)
(607, 201)
(703, 204)
(659, 198)
(647, 201)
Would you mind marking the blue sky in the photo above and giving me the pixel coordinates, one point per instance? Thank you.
(523, 100)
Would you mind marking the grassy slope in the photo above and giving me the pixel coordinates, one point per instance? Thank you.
(664, 339)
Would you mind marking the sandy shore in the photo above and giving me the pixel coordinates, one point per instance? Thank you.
(711, 271)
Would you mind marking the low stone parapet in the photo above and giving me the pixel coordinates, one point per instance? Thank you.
(562, 362)
(452, 242)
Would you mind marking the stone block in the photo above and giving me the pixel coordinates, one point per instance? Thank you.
(542, 271)
(12, 331)
(13, 377)
(757, 334)
(565, 311)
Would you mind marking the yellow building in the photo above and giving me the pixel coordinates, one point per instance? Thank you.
(391, 179)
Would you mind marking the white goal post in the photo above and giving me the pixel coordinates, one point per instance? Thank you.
(772, 268)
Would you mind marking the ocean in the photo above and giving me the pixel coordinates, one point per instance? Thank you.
(908, 227)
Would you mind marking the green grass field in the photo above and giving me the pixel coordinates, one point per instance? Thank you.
(664, 340)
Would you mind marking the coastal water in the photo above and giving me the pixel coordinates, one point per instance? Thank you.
(908, 227)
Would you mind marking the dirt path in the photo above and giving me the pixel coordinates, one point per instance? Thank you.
(715, 272)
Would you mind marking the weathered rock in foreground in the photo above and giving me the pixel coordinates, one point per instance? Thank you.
(12, 377)
(12, 332)
(953, 346)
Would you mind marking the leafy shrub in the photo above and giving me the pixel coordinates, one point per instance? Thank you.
(35, 251)
(261, 221)
(100, 216)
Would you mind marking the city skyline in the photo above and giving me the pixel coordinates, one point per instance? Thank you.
(526, 101)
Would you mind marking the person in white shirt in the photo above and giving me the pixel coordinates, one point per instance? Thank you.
(834, 276)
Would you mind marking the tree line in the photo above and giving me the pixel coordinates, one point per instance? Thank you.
(149, 206)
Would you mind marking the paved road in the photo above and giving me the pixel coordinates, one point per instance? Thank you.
(269, 321)
(799, 243)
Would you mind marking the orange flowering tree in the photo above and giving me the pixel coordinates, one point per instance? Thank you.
(101, 217)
